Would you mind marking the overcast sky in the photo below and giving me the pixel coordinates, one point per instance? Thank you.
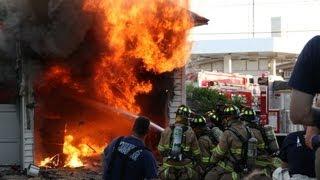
(233, 19)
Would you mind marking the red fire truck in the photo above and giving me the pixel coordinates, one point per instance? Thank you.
(230, 84)
(253, 89)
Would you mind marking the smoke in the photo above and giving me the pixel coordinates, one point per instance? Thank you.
(51, 28)
(61, 33)
(10, 17)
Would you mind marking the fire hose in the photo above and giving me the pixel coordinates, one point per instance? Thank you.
(103, 107)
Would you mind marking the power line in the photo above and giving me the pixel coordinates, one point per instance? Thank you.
(261, 32)
(295, 2)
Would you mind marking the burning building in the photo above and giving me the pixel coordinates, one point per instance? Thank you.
(83, 69)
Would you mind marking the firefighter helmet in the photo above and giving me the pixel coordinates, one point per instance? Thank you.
(220, 106)
(212, 116)
(184, 111)
(231, 110)
(198, 121)
(248, 114)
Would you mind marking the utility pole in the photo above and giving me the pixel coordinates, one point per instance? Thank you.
(253, 18)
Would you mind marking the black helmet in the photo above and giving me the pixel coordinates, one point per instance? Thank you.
(231, 110)
(198, 121)
(220, 106)
(248, 114)
(184, 111)
(212, 116)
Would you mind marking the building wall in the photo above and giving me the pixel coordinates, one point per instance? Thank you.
(27, 129)
(179, 96)
(27, 105)
(253, 67)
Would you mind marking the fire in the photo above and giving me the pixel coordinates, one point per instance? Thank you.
(46, 161)
(135, 37)
(152, 33)
(73, 153)
(60, 74)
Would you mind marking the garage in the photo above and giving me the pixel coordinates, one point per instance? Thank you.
(9, 135)
(9, 117)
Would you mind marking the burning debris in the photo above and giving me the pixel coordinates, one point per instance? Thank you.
(72, 153)
(50, 162)
(75, 153)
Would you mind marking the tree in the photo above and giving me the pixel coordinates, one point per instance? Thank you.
(202, 100)
(238, 101)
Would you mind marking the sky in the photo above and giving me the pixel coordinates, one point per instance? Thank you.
(233, 19)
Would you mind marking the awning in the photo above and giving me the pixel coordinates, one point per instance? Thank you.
(281, 85)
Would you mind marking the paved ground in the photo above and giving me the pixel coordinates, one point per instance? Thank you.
(9, 173)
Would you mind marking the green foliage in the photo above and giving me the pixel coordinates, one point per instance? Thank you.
(202, 100)
(238, 101)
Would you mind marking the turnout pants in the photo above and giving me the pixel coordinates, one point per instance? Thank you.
(178, 173)
(219, 173)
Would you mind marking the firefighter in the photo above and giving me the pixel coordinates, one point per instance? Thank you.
(213, 119)
(179, 148)
(219, 112)
(235, 153)
(128, 158)
(266, 149)
(213, 128)
(206, 144)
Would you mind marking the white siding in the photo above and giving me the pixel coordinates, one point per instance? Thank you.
(28, 123)
(28, 149)
(179, 93)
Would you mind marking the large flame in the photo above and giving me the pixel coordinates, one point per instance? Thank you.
(137, 36)
(152, 32)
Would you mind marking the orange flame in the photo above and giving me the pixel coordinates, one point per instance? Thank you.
(73, 153)
(137, 36)
(46, 161)
(62, 75)
(153, 32)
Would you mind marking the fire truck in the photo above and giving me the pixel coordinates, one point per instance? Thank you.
(254, 90)
(259, 93)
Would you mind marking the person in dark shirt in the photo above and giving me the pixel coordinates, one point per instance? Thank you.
(296, 156)
(127, 158)
(305, 81)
